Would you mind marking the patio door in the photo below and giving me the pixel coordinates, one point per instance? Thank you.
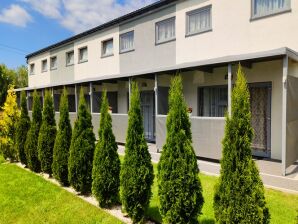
(260, 101)
(148, 111)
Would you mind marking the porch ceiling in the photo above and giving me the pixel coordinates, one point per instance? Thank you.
(205, 65)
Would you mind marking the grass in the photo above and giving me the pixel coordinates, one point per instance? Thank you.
(28, 198)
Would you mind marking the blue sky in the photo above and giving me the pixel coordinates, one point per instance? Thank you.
(28, 25)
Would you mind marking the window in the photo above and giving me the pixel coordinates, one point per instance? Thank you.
(44, 65)
(213, 101)
(32, 69)
(126, 42)
(53, 63)
(69, 58)
(83, 54)
(262, 8)
(198, 21)
(165, 31)
(107, 48)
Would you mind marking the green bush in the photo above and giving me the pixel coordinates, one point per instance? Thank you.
(62, 143)
(136, 176)
(47, 134)
(23, 127)
(106, 163)
(32, 135)
(81, 150)
(239, 194)
(179, 188)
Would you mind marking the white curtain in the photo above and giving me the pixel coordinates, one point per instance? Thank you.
(83, 54)
(70, 58)
(54, 62)
(108, 47)
(166, 30)
(199, 21)
(126, 41)
(265, 7)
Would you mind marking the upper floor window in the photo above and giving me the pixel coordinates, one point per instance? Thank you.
(83, 54)
(165, 31)
(268, 7)
(44, 65)
(198, 21)
(32, 69)
(107, 48)
(53, 63)
(126, 42)
(69, 58)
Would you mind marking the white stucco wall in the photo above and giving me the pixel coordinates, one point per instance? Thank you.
(39, 78)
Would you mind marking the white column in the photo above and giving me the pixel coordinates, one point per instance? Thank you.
(156, 95)
(284, 113)
(27, 98)
(76, 98)
(230, 89)
(129, 91)
(91, 97)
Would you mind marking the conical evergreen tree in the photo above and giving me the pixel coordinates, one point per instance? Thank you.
(239, 195)
(179, 187)
(32, 135)
(106, 163)
(22, 129)
(136, 175)
(81, 150)
(47, 134)
(62, 143)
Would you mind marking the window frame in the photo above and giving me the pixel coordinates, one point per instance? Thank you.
(102, 47)
(51, 60)
(133, 44)
(42, 63)
(66, 56)
(194, 12)
(274, 13)
(32, 71)
(173, 18)
(79, 55)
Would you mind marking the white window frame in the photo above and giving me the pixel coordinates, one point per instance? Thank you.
(42, 67)
(194, 12)
(32, 68)
(157, 42)
(66, 57)
(133, 42)
(272, 13)
(102, 47)
(79, 58)
(51, 63)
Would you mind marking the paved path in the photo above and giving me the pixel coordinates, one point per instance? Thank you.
(269, 170)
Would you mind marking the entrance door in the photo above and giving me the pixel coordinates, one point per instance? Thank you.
(148, 111)
(260, 101)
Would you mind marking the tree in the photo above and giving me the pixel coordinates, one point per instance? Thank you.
(47, 134)
(106, 163)
(32, 135)
(62, 143)
(136, 176)
(179, 187)
(23, 127)
(9, 118)
(239, 194)
(81, 150)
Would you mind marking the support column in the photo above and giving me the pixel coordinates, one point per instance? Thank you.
(27, 98)
(284, 113)
(129, 91)
(91, 96)
(230, 89)
(42, 96)
(156, 95)
(76, 98)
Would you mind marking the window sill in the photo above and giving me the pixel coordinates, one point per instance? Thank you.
(83, 61)
(253, 18)
(198, 33)
(68, 65)
(164, 42)
(44, 71)
(126, 51)
(52, 69)
(106, 56)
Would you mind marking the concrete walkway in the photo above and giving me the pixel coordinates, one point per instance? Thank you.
(270, 171)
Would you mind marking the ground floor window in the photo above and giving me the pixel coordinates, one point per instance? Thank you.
(112, 98)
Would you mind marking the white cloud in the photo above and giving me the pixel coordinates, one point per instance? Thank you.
(15, 15)
(80, 15)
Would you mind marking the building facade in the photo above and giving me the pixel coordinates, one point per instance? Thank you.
(204, 41)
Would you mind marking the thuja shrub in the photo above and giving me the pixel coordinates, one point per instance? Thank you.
(239, 194)
(81, 150)
(179, 187)
(47, 134)
(23, 127)
(62, 143)
(32, 136)
(136, 176)
(106, 163)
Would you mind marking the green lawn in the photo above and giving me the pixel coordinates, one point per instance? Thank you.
(28, 198)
